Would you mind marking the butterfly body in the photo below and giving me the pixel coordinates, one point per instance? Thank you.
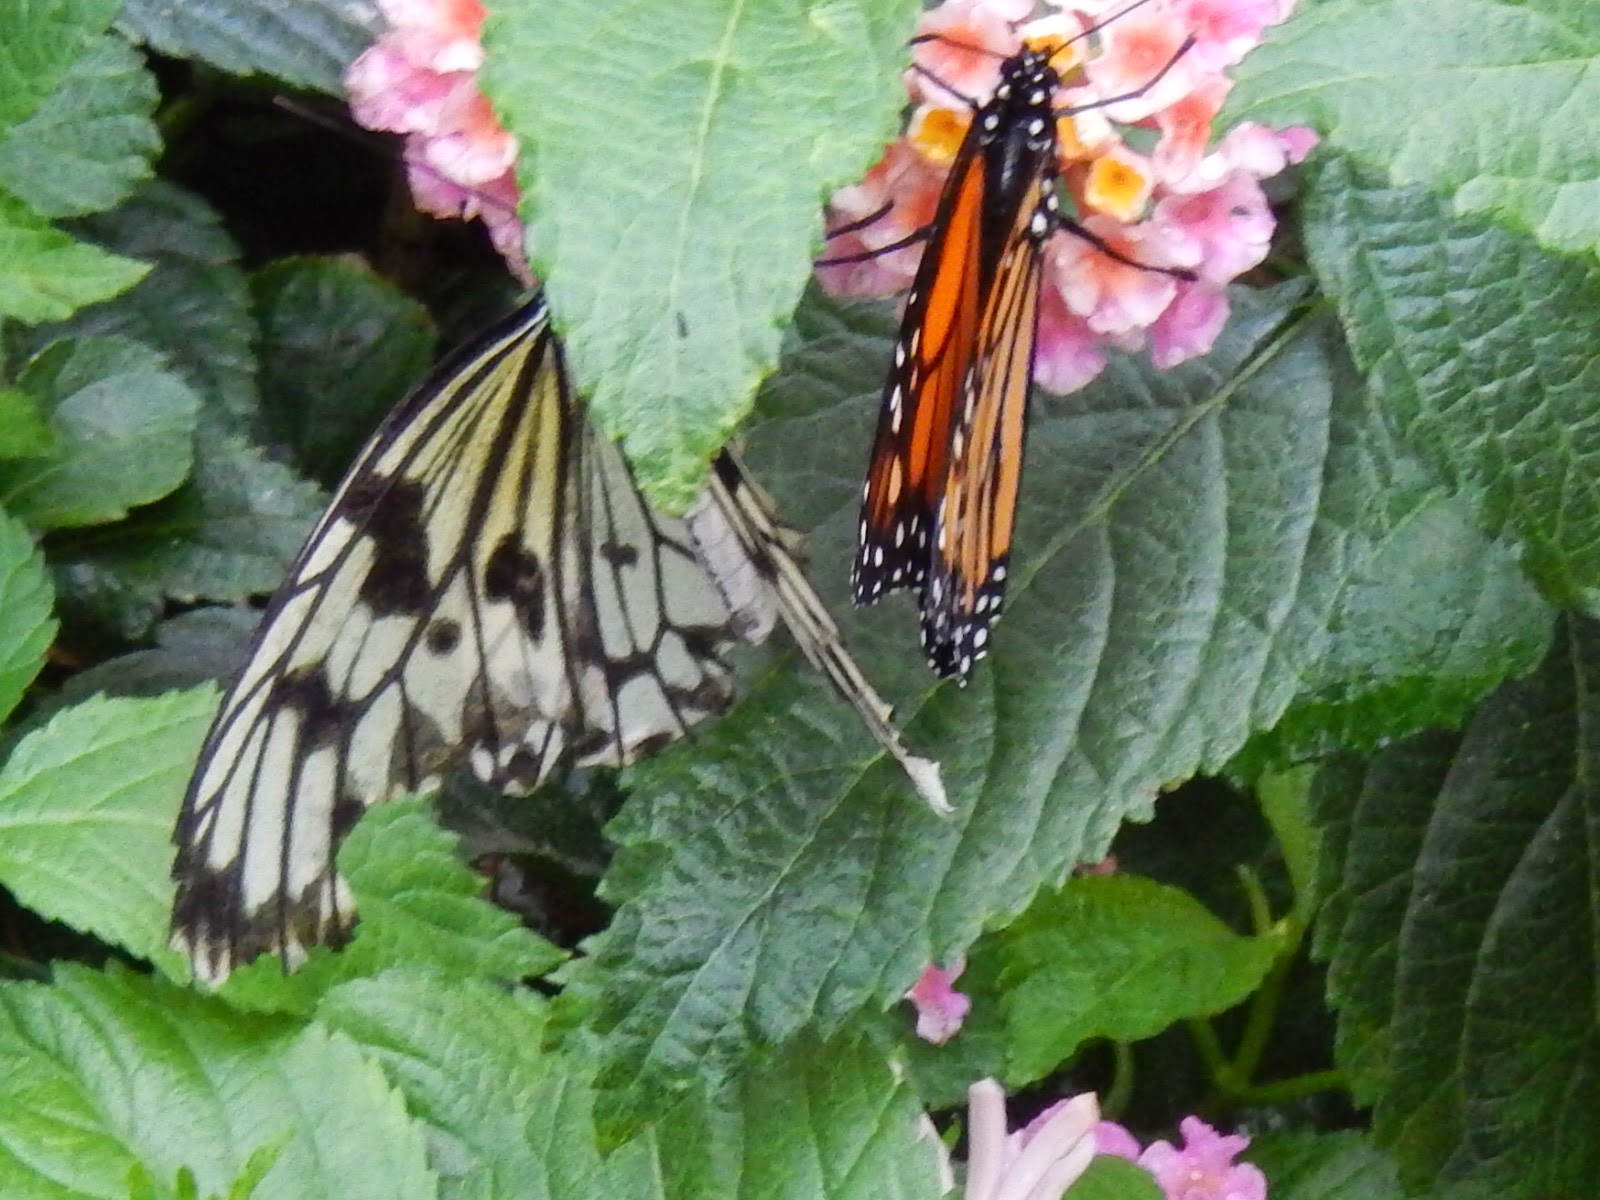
(938, 508)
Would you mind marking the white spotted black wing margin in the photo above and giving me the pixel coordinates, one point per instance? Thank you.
(751, 556)
(487, 587)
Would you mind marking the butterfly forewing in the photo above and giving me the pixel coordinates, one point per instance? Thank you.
(488, 587)
(946, 460)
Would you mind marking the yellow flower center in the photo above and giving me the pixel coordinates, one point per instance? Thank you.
(936, 133)
(1115, 188)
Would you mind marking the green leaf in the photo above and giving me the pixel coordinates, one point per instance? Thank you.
(418, 906)
(309, 42)
(1325, 1166)
(830, 1120)
(1185, 541)
(1478, 346)
(826, 1121)
(43, 40)
(47, 275)
(142, 1187)
(193, 306)
(124, 431)
(1432, 615)
(1112, 1178)
(467, 1056)
(1460, 960)
(1372, 825)
(87, 805)
(25, 430)
(1337, 1166)
(673, 265)
(1519, 137)
(26, 626)
(91, 140)
(821, 1120)
(100, 1068)
(1116, 957)
(228, 534)
(340, 348)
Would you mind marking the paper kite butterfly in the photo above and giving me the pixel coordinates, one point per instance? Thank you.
(488, 588)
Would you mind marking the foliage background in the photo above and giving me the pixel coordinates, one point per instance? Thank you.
(1320, 604)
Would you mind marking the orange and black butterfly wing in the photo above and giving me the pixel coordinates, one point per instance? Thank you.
(941, 489)
(910, 451)
(971, 541)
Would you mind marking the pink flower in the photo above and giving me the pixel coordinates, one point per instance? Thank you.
(470, 147)
(419, 79)
(1113, 298)
(904, 187)
(1186, 128)
(1249, 149)
(1066, 354)
(1202, 1170)
(388, 91)
(1189, 326)
(1226, 30)
(1111, 1138)
(1175, 204)
(1039, 1162)
(966, 39)
(1139, 60)
(940, 1008)
(1221, 233)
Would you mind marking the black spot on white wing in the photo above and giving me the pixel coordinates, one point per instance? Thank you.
(393, 522)
(619, 554)
(513, 575)
(322, 717)
(443, 635)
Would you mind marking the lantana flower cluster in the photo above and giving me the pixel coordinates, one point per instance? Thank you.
(420, 78)
(1176, 202)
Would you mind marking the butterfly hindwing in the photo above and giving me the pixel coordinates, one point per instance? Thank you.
(752, 557)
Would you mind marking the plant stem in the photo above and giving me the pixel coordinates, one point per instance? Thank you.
(1209, 1047)
(1281, 1091)
(1262, 1016)
(1116, 1097)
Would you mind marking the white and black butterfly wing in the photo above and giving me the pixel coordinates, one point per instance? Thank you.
(751, 555)
(487, 586)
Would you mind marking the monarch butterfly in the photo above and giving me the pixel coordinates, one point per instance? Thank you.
(487, 588)
(939, 504)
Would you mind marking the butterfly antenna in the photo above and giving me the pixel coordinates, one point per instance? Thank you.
(1134, 93)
